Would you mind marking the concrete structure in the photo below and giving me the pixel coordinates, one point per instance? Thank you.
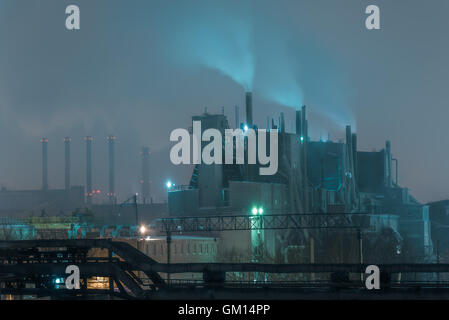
(210, 183)
(439, 222)
(183, 249)
(20, 203)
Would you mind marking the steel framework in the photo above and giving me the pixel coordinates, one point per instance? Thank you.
(28, 267)
(274, 222)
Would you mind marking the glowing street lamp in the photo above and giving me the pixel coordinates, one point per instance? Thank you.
(257, 211)
(142, 229)
(169, 184)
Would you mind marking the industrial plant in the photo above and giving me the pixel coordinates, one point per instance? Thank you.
(328, 212)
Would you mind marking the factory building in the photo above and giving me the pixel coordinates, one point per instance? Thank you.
(24, 203)
(313, 177)
(183, 249)
(439, 219)
(71, 200)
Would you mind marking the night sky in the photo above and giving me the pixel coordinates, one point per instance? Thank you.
(139, 69)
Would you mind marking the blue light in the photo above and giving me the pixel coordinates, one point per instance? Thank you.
(302, 138)
(169, 184)
(245, 128)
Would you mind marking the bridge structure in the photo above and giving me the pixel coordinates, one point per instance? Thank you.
(27, 227)
(37, 268)
(267, 222)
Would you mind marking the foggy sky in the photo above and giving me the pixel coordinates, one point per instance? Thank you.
(139, 69)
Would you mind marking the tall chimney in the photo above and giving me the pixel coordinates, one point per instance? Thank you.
(388, 165)
(145, 181)
(44, 142)
(349, 147)
(237, 121)
(298, 122)
(348, 137)
(111, 145)
(67, 162)
(305, 133)
(89, 193)
(249, 109)
(282, 124)
(354, 153)
(304, 140)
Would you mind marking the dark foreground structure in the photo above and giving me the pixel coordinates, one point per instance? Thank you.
(32, 268)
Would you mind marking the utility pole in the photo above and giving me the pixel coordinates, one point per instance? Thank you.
(168, 253)
(111, 281)
(438, 258)
(359, 237)
(136, 209)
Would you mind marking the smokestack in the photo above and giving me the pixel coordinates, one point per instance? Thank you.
(298, 122)
(237, 121)
(44, 142)
(89, 194)
(249, 109)
(388, 165)
(304, 140)
(354, 153)
(282, 122)
(348, 137)
(111, 145)
(145, 174)
(67, 162)
(305, 133)
(349, 147)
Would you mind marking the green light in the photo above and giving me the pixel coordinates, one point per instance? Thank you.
(254, 211)
(302, 138)
(260, 210)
